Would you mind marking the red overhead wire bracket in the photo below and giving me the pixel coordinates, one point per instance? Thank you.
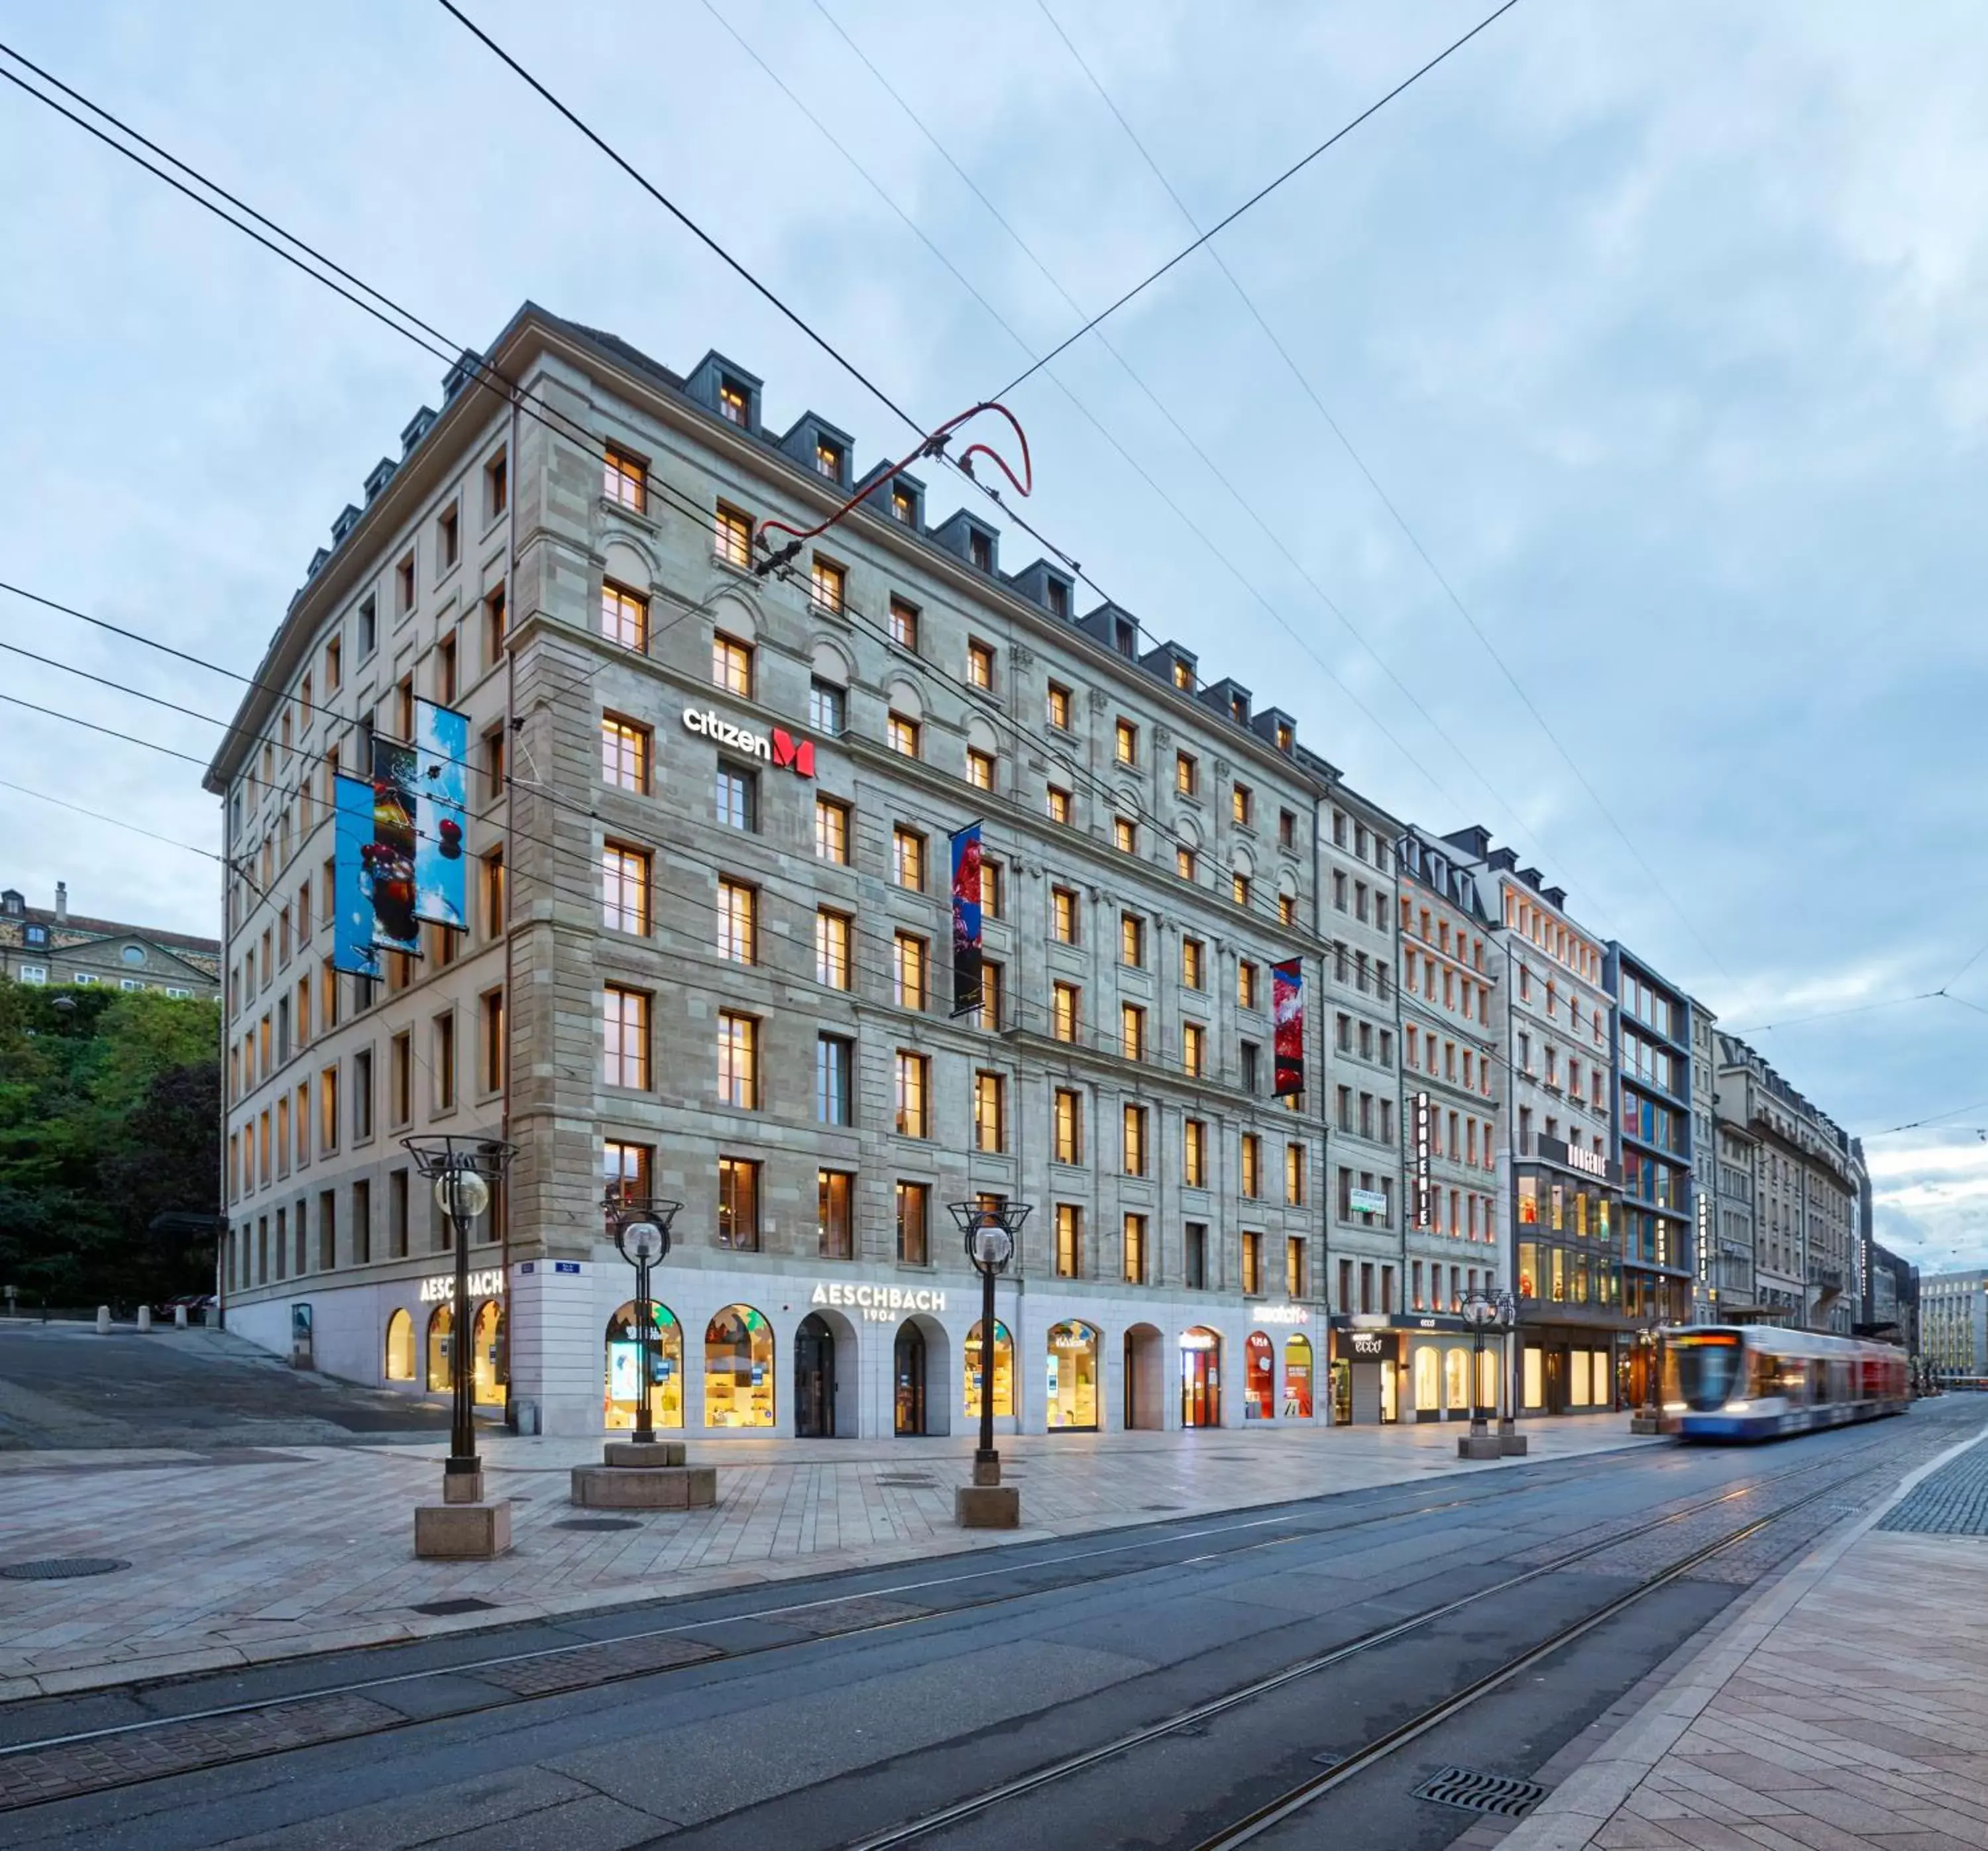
(933, 445)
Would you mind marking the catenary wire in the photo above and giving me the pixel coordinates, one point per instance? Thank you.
(117, 823)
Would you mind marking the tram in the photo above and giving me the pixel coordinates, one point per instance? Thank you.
(1755, 1382)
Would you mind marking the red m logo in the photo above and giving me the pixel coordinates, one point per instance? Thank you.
(798, 753)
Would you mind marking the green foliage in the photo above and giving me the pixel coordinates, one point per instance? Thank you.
(110, 1116)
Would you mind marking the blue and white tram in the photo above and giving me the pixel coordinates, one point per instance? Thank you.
(1755, 1381)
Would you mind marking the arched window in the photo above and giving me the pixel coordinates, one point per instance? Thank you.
(1073, 1377)
(738, 1369)
(1456, 1379)
(486, 1353)
(1297, 1378)
(1004, 1371)
(1429, 1379)
(1260, 1377)
(441, 1324)
(624, 1368)
(399, 1348)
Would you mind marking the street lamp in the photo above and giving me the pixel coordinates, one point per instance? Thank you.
(640, 1225)
(990, 1230)
(463, 1171)
(1648, 1418)
(1509, 1440)
(1480, 1311)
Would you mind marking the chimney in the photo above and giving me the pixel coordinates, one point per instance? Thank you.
(62, 903)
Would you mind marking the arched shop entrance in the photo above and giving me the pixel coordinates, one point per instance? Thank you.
(1145, 1379)
(1260, 1377)
(486, 1356)
(1200, 1377)
(1426, 1366)
(738, 1369)
(814, 1379)
(441, 1323)
(1072, 1366)
(1004, 1372)
(919, 1372)
(1456, 1382)
(1297, 1378)
(399, 1348)
(624, 1368)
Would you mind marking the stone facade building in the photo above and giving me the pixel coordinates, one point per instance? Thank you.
(53, 945)
(1953, 1324)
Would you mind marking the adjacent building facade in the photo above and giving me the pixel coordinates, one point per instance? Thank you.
(1953, 1325)
(53, 945)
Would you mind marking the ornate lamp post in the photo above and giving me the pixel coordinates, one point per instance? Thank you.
(1510, 1440)
(989, 1231)
(1648, 1418)
(640, 1225)
(1479, 1310)
(463, 1171)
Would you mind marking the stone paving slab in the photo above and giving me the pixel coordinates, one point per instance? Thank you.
(312, 1549)
(1843, 1708)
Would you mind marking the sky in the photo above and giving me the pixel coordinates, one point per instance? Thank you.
(1609, 472)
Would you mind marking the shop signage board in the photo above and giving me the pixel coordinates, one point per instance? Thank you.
(440, 1287)
(1369, 1201)
(1280, 1314)
(1422, 1204)
(878, 1304)
(1368, 1343)
(1573, 1157)
(782, 750)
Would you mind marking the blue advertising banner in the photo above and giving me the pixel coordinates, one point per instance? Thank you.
(441, 759)
(389, 856)
(966, 953)
(352, 836)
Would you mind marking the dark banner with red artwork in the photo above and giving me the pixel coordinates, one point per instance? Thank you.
(1287, 1016)
(966, 962)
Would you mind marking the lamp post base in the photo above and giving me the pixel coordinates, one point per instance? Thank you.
(463, 1482)
(1480, 1445)
(462, 1532)
(1646, 1423)
(986, 1468)
(988, 1506)
(1511, 1442)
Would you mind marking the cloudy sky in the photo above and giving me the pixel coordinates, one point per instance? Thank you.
(1661, 325)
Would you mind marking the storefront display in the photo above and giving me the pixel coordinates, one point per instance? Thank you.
(1004, 1370)
(487, 1356)
(624, 1369)
(441, 1323)
(738, 1369)
(1200, 1377)
(1297, 1378)
(1072, 1367)
(400, 1347)
(1260, 1377)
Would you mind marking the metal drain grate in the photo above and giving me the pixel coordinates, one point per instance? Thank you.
(466, 1603)
(1477, 1791)
(598, 1523)
(62, 1568)
(909, 1478)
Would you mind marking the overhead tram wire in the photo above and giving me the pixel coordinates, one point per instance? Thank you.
(1386, 500)
(117, 823)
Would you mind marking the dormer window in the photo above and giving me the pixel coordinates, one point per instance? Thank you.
(735, 403)
(980, 550)
(1239, 707)
(1128, 637)
(1284, 735)
(905, 507)
(828, 458)
(1059, 599)
(1183, 676)
(37, 934)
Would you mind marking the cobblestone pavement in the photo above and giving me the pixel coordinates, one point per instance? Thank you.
(237, 1558)
(1845, 1708)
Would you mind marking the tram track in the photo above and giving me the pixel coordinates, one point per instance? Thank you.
(71, 1764)
(1307, 1792)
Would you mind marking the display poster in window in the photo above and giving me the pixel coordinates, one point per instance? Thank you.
(1287, 1019)
(966, 917)
(442, 760)
(389, 857)
(352, 897)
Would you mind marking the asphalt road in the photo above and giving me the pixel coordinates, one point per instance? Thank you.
(824, 1713)
(61, 1385)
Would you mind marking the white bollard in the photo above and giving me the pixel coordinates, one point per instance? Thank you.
(144, 1317)
(103, 1320)
(179, 1317)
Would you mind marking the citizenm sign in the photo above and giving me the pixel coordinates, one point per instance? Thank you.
(782, 749)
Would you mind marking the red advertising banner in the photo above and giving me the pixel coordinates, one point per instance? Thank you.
(1287, 1016)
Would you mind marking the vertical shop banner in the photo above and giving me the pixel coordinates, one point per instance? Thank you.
(1287, 1020)
(1424, 1207)
(389, 857)
(966, 960)
(441, 757)
(352, 900)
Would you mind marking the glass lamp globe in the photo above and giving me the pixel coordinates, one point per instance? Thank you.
(462, 1192)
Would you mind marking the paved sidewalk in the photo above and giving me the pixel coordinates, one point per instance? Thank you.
(1845, 1708)
(242, 1555)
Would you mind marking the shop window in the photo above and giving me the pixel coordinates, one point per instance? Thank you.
(1429, 1379)
(1297, 1378)
(399, 1348)
(624, 1373)
(1534, 1383)
(1072, 1378)
(738, 1369)
(1259, 1378)
(1456, 1381)
(488, 1354)
(1004, 1370)
(1200, 1377)
(441, 1325)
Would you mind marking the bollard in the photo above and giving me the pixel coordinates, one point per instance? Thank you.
(179, 1317)
(103, 1320)
(144, 1317)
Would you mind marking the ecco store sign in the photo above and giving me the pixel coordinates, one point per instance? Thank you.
(879, 1304)
(782, 749)
(486, 1285)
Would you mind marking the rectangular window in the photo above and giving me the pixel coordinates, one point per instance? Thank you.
(625, 1037)
(735, 798)
(738, 1204)
(980, 769)
(1059, 708)
(495, 1048)
(1064, 1011)
(1294, 1175)
(628, 1170)
(831, 831)
(904, 618)
(327, 1111)
(993, 995)
(907, 858)
(738, 1060)
(624, 754)
(625, 479)
(1132, 1030)
(1195, 1256)
(828, 582)
(396, 1214)
(493, 893)
(334, 665)
(1064, 915)
(913, 1074)
(731, 537)
(1184, 863)
(1247, 1053)
(902, 735)
(1068, 1125)
(1134, 1143)
(1246, 985)
(833, 935)
(1194, 1154)
(990, 1112)
(1253, 1265)
(1194, 964)
(444, 1061)
(1251, 1167)
(1124, 835)
(834, 1080)
(624, 889)
(1069, 1241)
(404, 587)
(624, 616)
(1059, 804)
(980, 665)
(1294, 1266)
(835, 1214)
(1135, 1249)
(731, 665)
(914, 1220)
(1132, 940)
(1187, 773)
(738, 922)
(828, 707)
(362, 1095)
(735, 403)
(909, 971)
(1239, 888)
(1241, 805)
(1125, 742)
(1193, 1050)
(402, 1081)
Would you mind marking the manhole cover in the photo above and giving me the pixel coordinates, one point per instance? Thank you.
(598, 1523)
(464, 1603)
(1477, 1791)
(62, 1568)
